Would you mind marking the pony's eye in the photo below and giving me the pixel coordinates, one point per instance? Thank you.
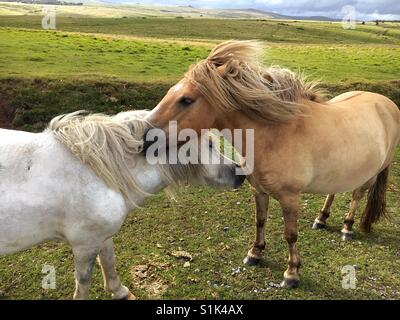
(186, 101)
(210, 144)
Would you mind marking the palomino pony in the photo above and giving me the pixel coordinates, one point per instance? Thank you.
(78, 180)
(302, 143)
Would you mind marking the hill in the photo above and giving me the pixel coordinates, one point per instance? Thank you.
(107, 10)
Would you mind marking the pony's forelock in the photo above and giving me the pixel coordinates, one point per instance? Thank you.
(233, 78)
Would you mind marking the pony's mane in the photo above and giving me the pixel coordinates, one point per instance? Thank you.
(233, 78)
(110, 145)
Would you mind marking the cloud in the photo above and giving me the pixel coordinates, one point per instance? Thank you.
(366, 9)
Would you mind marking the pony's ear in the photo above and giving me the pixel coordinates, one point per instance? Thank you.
(268, 77)
(221, 70)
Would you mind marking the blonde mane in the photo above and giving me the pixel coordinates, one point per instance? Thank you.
(110, 145)
(232, 78)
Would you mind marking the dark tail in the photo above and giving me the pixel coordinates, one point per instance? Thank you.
(376, 205)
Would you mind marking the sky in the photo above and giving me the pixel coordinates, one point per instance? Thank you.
(366, 9)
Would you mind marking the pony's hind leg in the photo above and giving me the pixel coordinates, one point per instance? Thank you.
(84, 259)
(112, 282)
(320, 221)
(358, 194)
(254, 255)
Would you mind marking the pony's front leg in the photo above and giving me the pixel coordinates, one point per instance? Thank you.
(290, 210)
(320, 222)
(84, 259)
(112, 282)
(254, 254)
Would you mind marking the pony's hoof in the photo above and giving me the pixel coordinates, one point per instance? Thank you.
(347, 236)
(318, 225)
(130, 296)
(251, 261)
(290, 283)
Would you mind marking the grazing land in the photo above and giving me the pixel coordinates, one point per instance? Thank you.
(111, 64)
(62, 55)
(273, 30)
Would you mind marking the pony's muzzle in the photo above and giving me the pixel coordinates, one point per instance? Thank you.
(239, 178)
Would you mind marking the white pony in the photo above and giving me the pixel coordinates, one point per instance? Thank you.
(78, 180)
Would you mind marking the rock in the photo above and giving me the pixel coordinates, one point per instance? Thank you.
(193, 280)
(236, 270)
(180, 254)
(274, 285)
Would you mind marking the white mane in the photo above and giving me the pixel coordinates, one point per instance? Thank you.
(110, 145)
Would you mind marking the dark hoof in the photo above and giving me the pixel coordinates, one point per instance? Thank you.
(318, 226)
(251, 261)
(347, 236)
(290, 283)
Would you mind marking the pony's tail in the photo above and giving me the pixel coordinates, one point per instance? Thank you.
(376, 205)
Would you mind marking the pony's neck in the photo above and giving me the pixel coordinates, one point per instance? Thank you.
(149, 180)
(232, 120)
(238, 120)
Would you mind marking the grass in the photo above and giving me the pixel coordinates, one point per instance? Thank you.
(61, 55)
(111, 65)
(218, 232)
(277, 31)
(35, 102)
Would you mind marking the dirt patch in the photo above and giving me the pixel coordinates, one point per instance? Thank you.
(6, 116)
(145, 277)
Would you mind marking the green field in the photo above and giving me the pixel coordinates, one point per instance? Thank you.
(63, 55)
(280, 31)
(110, 65)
